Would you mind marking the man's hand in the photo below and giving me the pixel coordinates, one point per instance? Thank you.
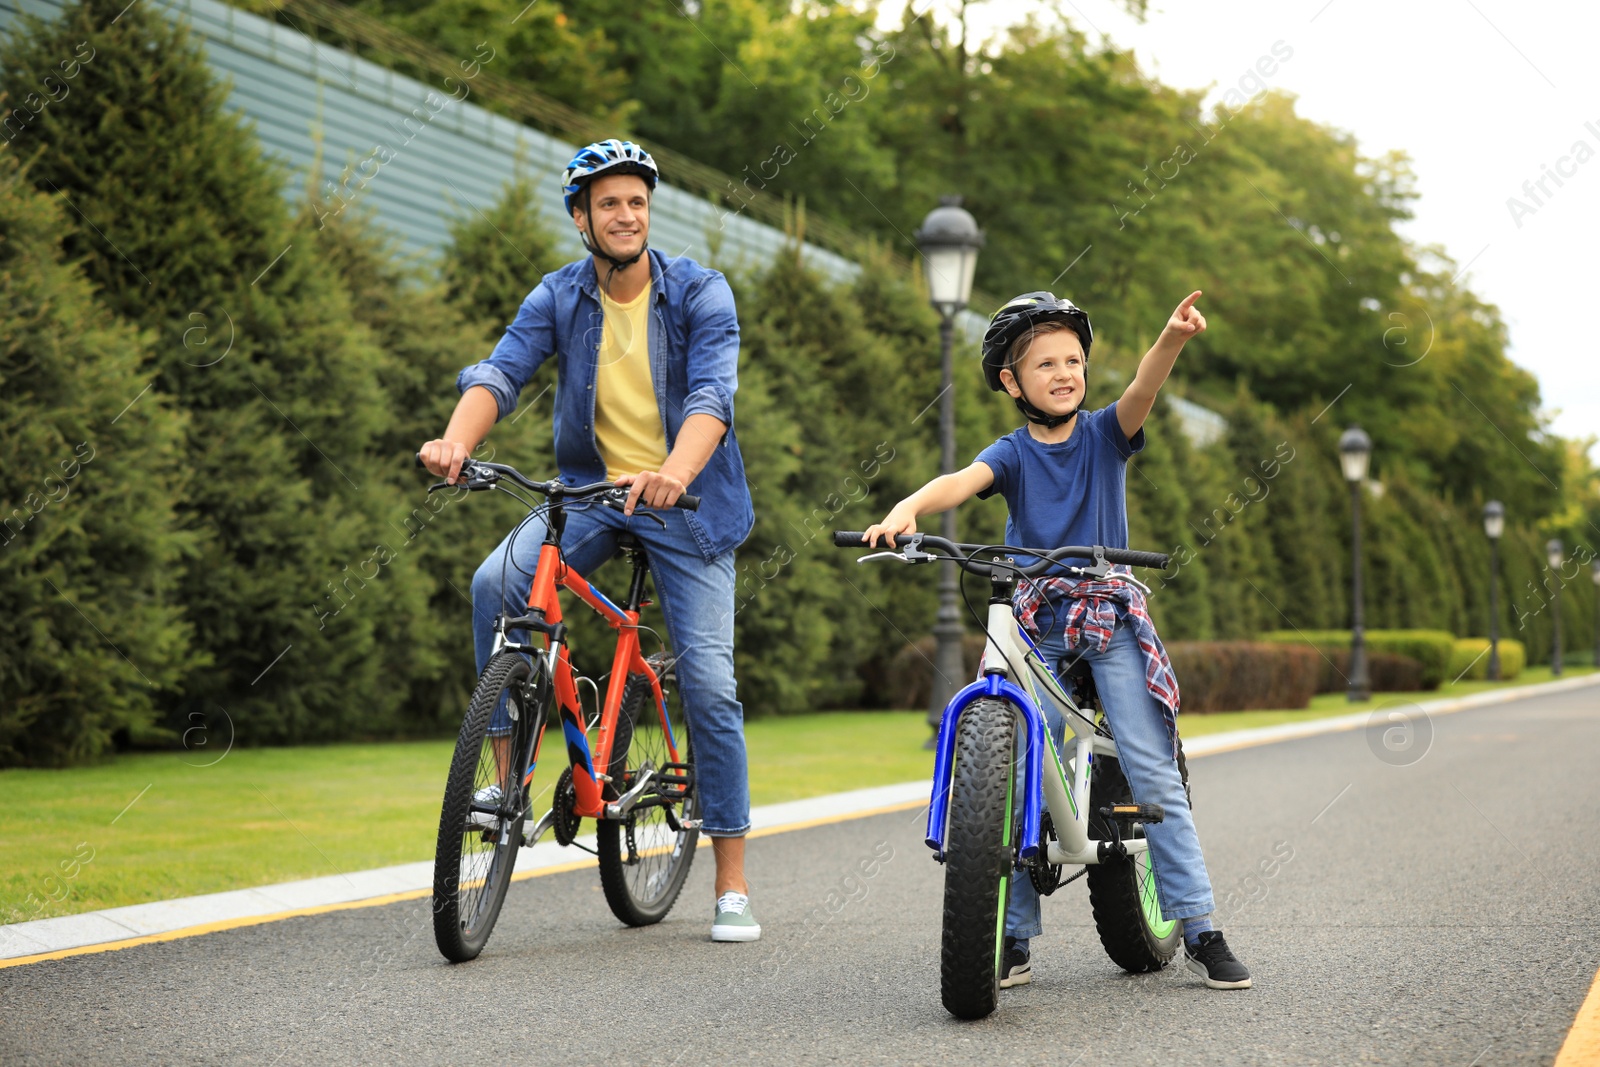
(657, 489)
(1187, 321)
(444, 458)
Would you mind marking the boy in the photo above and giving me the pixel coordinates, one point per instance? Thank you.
(1062, 476)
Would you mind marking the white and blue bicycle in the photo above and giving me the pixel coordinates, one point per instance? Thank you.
(1074, 808)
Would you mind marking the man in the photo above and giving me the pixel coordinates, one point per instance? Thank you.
(647, 350)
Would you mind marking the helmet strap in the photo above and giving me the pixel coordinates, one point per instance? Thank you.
(592, 244)
(1038, 417)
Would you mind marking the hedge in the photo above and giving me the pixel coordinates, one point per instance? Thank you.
(1212, 675)
(1243, 675)
(1470, 660)
(1431, 649)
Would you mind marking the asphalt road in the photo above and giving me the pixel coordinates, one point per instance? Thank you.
(1432, 910)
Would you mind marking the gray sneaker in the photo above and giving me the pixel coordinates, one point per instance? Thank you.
(734, 921)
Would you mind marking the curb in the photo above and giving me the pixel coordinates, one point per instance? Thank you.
(1233, 740)
(170, 920)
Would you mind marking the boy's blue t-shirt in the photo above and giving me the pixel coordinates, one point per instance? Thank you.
(1072, 493)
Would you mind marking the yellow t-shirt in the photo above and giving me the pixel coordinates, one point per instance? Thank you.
(627, 420)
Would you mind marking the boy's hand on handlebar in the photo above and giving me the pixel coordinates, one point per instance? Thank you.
(444, 458)
(899, 521)
(654, 488)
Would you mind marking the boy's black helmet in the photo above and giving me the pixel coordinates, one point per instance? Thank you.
(1019, 315)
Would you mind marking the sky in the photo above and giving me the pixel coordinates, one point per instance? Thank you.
(1483, 95)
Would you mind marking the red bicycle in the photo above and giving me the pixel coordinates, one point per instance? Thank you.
(644, 802)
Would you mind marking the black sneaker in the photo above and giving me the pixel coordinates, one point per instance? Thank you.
(1014, 966)
(1211, 959)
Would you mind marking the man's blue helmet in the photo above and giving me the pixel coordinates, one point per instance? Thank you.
(605, 157)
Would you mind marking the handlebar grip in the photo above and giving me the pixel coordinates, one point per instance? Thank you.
(849, 539)
(688, 502)
(418, 458)
(1159, 560)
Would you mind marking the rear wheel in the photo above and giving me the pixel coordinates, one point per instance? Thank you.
(977, 860)
(1122, 892)
(478, 841)
(644, 858)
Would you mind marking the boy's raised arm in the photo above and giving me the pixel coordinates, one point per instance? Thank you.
(1140, 396)
(941, 494)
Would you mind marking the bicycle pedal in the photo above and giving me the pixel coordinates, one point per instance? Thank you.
(674, 780)
(1145, 813)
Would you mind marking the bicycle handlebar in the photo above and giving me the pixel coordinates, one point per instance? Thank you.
(478, 474)
(960, 552)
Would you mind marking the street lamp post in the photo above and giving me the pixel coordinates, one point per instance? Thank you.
(1553, 552)
(1355, 450)
(1596, 572)
(949, 241)
(1494, 524)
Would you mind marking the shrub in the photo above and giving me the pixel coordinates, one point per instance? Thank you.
(1243, 675)
(1431, 649)
(1470, 660)
(907, 679)
(1386, 672)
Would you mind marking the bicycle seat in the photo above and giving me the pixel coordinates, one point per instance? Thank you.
(627, 542)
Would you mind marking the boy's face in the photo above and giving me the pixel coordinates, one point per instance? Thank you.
(619, 208)
(1051, 373)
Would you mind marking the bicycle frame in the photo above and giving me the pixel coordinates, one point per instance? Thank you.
(544, 608)
(1008, 651)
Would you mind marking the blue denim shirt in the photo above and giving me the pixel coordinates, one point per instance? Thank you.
(694, 361)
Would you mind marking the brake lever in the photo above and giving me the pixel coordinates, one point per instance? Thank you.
(617, 500)
(882, 555)
(470, 484)
(1102, 571)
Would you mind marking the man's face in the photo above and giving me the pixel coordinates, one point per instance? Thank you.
(1051, 373)
(618, 215)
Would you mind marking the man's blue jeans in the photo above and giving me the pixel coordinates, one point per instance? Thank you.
(1138, 721)
(697, 599)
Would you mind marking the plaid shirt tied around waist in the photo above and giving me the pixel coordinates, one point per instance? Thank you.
(1091, 614)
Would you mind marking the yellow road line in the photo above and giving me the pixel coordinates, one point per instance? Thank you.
(214, 927)
(395, 898)
(1582, 1046)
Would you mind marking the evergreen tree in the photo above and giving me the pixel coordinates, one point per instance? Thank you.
(93, 636)
(255, 340)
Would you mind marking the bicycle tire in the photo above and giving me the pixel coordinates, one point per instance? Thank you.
(977, 860)
(469, 880)
(1122, 892)
(643, 861)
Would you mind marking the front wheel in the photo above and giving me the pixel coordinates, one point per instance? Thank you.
(1122, 892)
(479, 837)
(645, 856)
(977, 860)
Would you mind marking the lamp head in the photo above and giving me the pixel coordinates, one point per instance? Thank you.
(1355, 450)
(949, 241)
(1494, 519)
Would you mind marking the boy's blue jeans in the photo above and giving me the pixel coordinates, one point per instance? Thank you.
(697, 599)
(1139, 724)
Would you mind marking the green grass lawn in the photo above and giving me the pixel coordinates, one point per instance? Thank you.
(79, 840)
